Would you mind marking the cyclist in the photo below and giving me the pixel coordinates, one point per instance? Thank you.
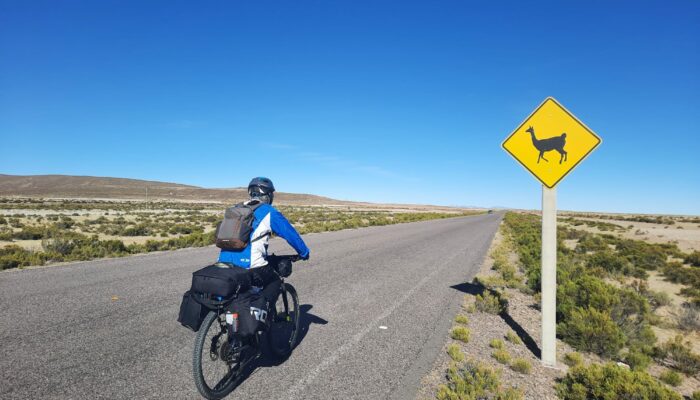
(267, 220)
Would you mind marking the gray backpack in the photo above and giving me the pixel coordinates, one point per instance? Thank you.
(233, 233)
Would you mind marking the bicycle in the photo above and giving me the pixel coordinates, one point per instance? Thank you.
(218, 342)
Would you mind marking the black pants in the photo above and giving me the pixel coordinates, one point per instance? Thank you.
(263, 276)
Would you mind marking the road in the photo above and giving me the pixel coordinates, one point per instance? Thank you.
(107, 329)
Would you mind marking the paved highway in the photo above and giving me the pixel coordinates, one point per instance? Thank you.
(107, 329)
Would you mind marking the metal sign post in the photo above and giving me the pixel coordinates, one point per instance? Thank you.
(549, 276)
(550, 143)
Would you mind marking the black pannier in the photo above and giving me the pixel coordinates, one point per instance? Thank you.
(220, 280)
(252, 312)
(192, 312)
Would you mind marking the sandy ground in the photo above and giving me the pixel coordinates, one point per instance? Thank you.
(685, 234)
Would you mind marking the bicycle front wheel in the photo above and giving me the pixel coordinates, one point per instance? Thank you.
(214, 367)
(284, 330)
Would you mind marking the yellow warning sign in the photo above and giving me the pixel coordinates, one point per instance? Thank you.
(551, 142)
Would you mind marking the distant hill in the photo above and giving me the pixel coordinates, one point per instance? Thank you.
(61, 186)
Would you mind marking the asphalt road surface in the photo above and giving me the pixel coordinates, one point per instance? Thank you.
(107, 329)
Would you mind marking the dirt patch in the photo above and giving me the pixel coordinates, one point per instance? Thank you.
(685, 234)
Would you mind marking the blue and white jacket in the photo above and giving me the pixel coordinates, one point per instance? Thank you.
(266, 220)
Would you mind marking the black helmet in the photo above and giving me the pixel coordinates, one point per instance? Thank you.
(261, 188)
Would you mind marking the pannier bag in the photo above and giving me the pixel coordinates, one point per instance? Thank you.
(233, 233)
(220, 280)
(192, 312)
(253, 313)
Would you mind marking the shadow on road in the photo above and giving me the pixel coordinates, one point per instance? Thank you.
(474, 289)
(266, 359)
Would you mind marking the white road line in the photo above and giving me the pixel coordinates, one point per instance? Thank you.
(295, 390)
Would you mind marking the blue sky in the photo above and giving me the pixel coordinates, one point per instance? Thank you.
(362, 100)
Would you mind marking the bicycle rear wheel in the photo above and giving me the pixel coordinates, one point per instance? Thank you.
(284, 329)
(215, 367)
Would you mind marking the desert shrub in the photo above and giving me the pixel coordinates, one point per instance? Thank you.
(513, 337)
(471, 381)
(628, 310)
(13, 256)
(609, 262)
(695, 395)
(671, 378)
(693, 258)
(455, 353)
(678, 355)
(462, 319)
(138, 230)
(591, 243)
(62, 246)
(3, 221)
(461, 333)
(677, 273)
(475, 380)
(689, 317)
(184, 229)
(592, 330)
(470, 308)
(491, 282)
(693, 295)
(490, 302)
(657, 299)
(573, 359)
(501, 355)
(646, 255)
(637, 360)
(30, 233)
(610, 381)
(496, 344)
(521, 365)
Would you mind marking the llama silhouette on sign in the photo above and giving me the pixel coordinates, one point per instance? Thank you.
(544, 145)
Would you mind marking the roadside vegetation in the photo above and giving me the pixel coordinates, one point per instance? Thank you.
(609, 312)
(39, 232)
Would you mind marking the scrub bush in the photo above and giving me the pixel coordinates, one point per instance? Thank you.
(671, 378)
(637, 360)
(490, 302)
(693, 258)
(455, 353)
(461, 333)
(513, 338)
(573, 359)
(475, 380)
(592, 330)
(678, 355)
(609, 381)
(521, 365)
(689, 318)
(501, 355)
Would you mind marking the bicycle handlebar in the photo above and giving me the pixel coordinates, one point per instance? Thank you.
(290, 257)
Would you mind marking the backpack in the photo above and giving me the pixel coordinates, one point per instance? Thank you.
(233, 233)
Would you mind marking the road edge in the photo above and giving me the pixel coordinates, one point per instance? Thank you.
(409, 386)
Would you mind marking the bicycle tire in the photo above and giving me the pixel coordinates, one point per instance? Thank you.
(286, 345)
(227, 383)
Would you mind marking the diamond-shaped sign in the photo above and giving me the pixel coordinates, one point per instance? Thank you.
(551, 142)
